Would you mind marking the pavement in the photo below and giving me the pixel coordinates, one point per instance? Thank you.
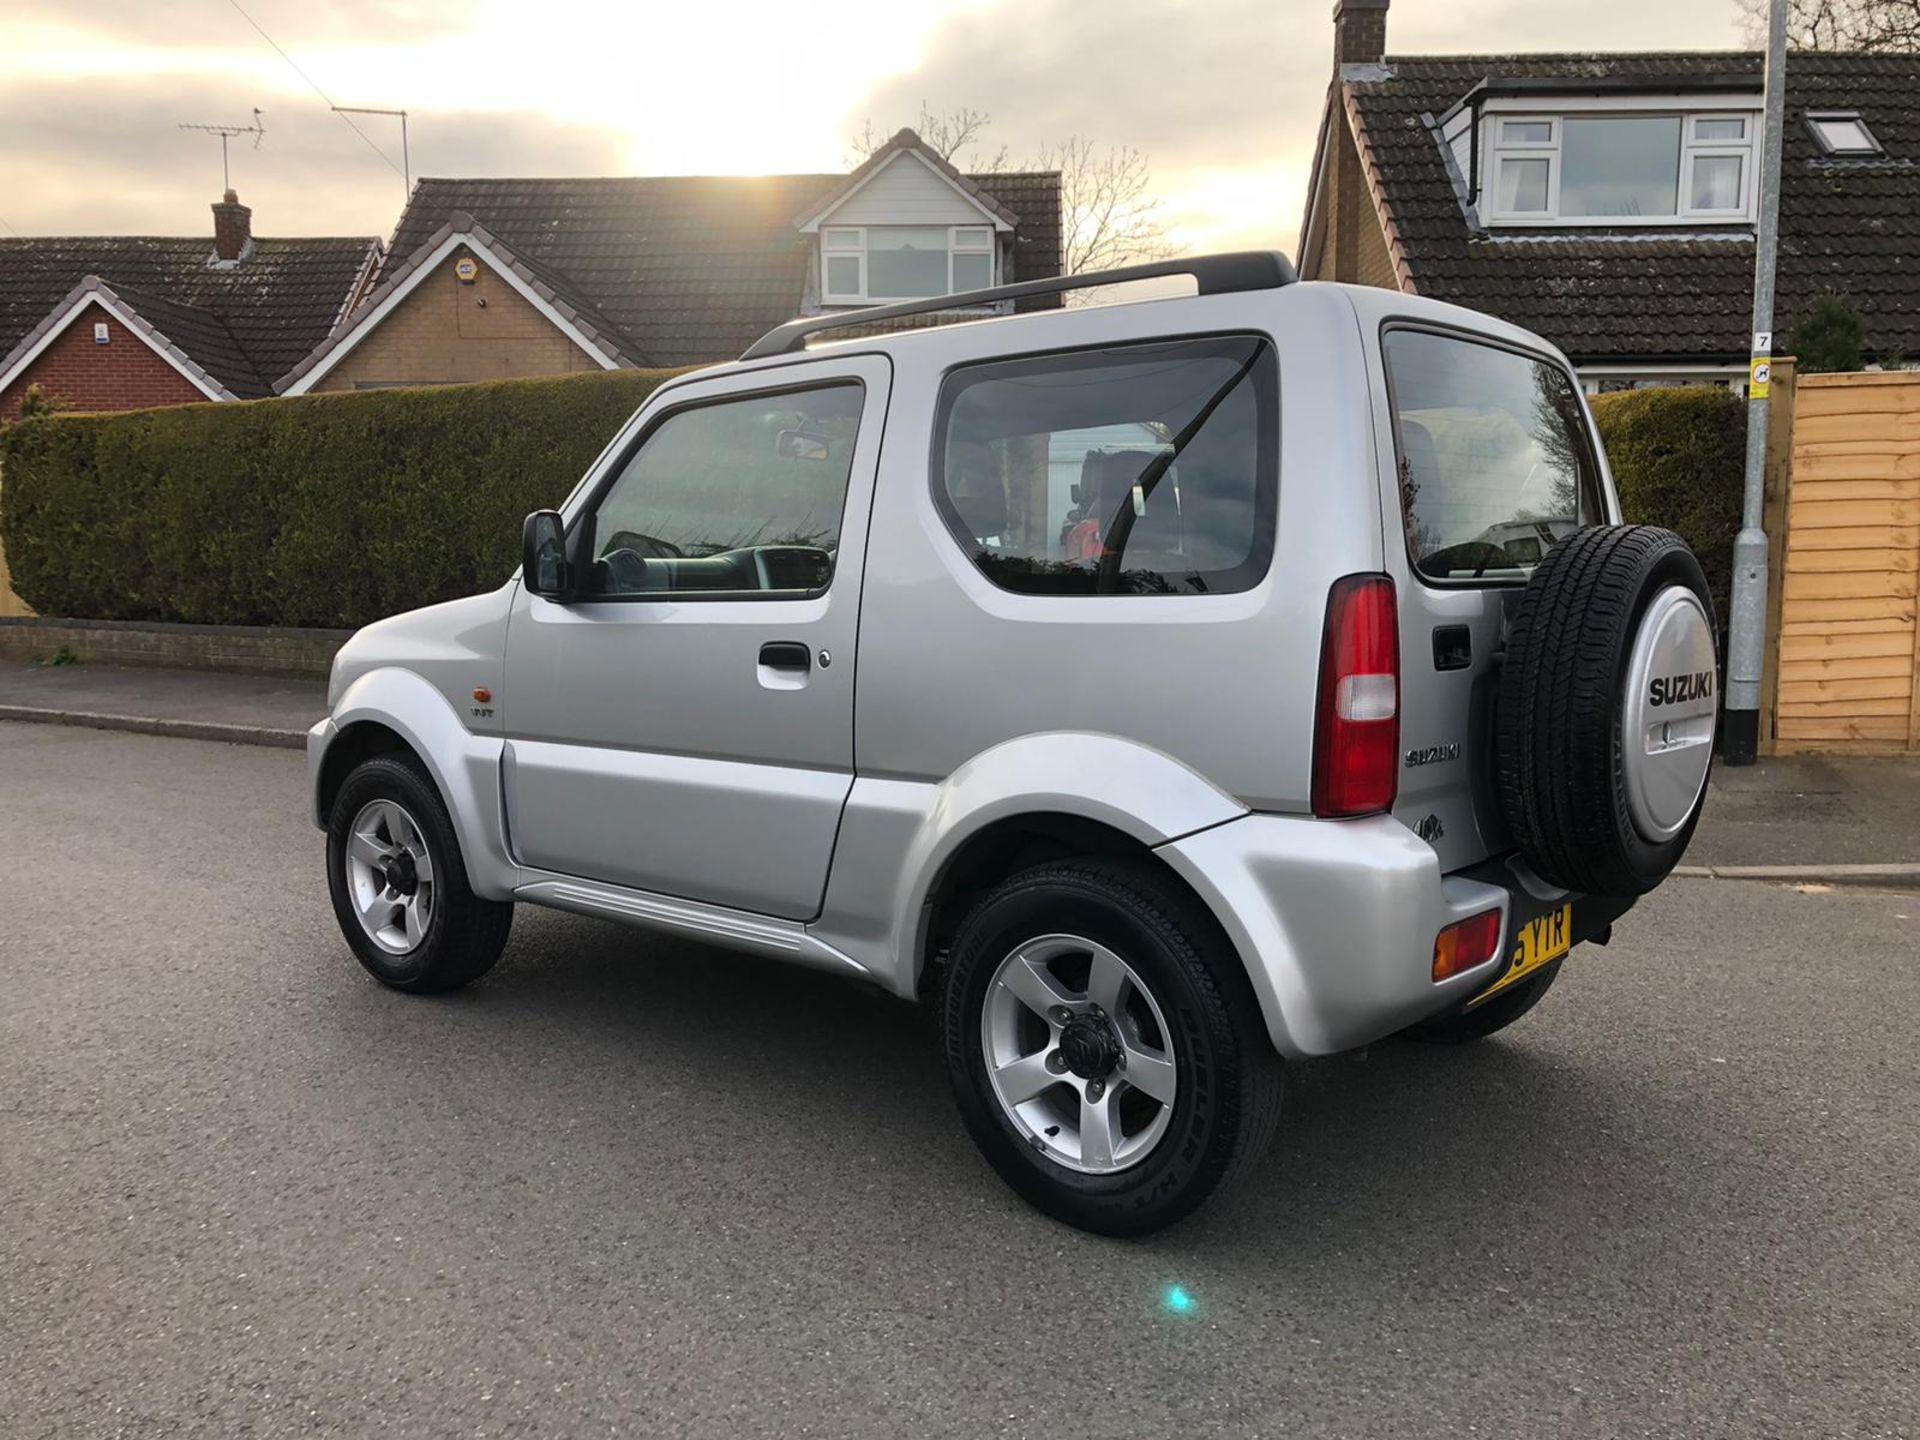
(195, 704)
(625, 1186)
(1845, 820)
(1831, 810)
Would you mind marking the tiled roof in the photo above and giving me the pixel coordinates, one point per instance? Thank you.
(684, 269)
(244, 323)
(396, 281)
(1602, 294)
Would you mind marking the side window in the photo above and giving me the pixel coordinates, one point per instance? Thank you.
(1136, 470)
(1493, 456)
(735, 496)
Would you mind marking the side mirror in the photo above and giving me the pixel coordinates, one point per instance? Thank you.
(543, 555)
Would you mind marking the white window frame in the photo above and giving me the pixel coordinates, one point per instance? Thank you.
(1498, 152)
(857, 250)
(1871, 150)
(981, 241)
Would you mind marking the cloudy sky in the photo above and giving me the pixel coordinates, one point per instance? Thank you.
(1223, 95)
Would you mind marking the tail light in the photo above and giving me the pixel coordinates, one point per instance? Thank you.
(1465, 944)
(1356, 733)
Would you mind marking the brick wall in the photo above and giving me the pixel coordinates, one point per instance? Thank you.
(449, 333)
(247, 649)
(123, 374)
(1353, 246)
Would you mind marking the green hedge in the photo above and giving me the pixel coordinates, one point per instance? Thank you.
(330, 510)
(1679, 459)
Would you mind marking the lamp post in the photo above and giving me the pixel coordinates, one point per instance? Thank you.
(1747, 628)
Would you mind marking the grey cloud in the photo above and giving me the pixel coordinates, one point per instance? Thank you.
(1230, 83)
(118, 163)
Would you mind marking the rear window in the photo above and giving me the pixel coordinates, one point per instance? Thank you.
(1493, 456)
(1135, 470)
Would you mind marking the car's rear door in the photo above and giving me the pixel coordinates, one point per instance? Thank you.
(686, 727)
(1493, 464)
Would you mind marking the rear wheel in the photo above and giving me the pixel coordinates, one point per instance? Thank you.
(1104, 1047)
(399, 885)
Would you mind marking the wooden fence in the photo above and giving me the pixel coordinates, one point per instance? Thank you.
(1849, 645)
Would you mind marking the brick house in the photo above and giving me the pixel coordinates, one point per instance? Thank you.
(122, 322)
(492, 279)
(1608, 202)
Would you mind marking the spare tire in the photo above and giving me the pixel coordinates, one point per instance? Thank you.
(1606, 711)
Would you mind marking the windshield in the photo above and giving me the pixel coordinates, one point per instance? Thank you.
(1492, 453)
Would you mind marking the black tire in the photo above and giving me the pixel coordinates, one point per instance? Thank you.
(1561, 781)
(1227, 1101)
(465, 933)
(1483, 1020)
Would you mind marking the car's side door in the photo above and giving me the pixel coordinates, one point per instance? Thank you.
(684, 724)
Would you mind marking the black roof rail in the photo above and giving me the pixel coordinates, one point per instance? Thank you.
(1212, 274)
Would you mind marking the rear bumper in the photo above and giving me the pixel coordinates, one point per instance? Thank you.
(1336, 920)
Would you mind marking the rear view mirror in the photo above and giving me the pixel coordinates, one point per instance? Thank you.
(543, 554)
(802, 445)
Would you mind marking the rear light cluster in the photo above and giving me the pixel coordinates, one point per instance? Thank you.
(1356, 733)
(1465, 944)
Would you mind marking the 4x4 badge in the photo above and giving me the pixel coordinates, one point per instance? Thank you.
(1432, 755)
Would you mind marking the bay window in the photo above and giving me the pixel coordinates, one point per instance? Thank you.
(1606, 166)
(871, 264)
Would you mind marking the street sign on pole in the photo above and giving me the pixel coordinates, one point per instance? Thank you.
(1747, 626)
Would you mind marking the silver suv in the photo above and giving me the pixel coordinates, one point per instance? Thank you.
(1165, 690)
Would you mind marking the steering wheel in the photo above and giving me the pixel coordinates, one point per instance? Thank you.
(626, 571)
(1455, 558)
(648, 547)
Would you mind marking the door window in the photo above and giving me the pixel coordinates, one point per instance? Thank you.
(732, 497)
(1135, 470)
(1493, 457)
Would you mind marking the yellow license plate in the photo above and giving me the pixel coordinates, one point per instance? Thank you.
(1540, 942)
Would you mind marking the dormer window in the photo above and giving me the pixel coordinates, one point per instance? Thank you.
(1843, 134)
(872, 264)
(1605, 166)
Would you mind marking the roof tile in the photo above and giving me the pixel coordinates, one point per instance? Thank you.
(245, 324)
(684, 269)
(1605, 295)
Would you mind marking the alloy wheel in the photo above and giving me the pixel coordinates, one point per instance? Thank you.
(390, 876)
(1079, 1054)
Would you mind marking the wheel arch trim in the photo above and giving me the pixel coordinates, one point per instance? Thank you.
(900, 839)
(464, 767)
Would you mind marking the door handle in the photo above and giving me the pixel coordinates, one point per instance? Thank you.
(786, 655)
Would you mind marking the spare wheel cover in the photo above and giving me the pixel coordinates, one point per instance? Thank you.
(1666, 730)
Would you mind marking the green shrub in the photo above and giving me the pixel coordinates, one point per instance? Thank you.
(330, 510)
(1678, 455)
(1830, 335)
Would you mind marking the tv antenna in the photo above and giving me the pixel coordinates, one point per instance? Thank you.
(258, 129)
(406, 160)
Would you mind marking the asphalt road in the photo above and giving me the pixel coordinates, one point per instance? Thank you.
(623, 1187)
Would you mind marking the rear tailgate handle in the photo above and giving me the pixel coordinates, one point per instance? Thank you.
(786, 655)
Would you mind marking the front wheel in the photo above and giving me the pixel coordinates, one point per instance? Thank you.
(399, 886)
(1104, 1046)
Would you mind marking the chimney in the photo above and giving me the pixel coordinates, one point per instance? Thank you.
(233, 225)
(1359, 38)
(1359, 32)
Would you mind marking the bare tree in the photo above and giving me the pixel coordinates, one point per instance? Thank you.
(1109, 215)
(947, 134)
(1873, 25)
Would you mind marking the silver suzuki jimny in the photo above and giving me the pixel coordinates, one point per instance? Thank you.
(1165, 690)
